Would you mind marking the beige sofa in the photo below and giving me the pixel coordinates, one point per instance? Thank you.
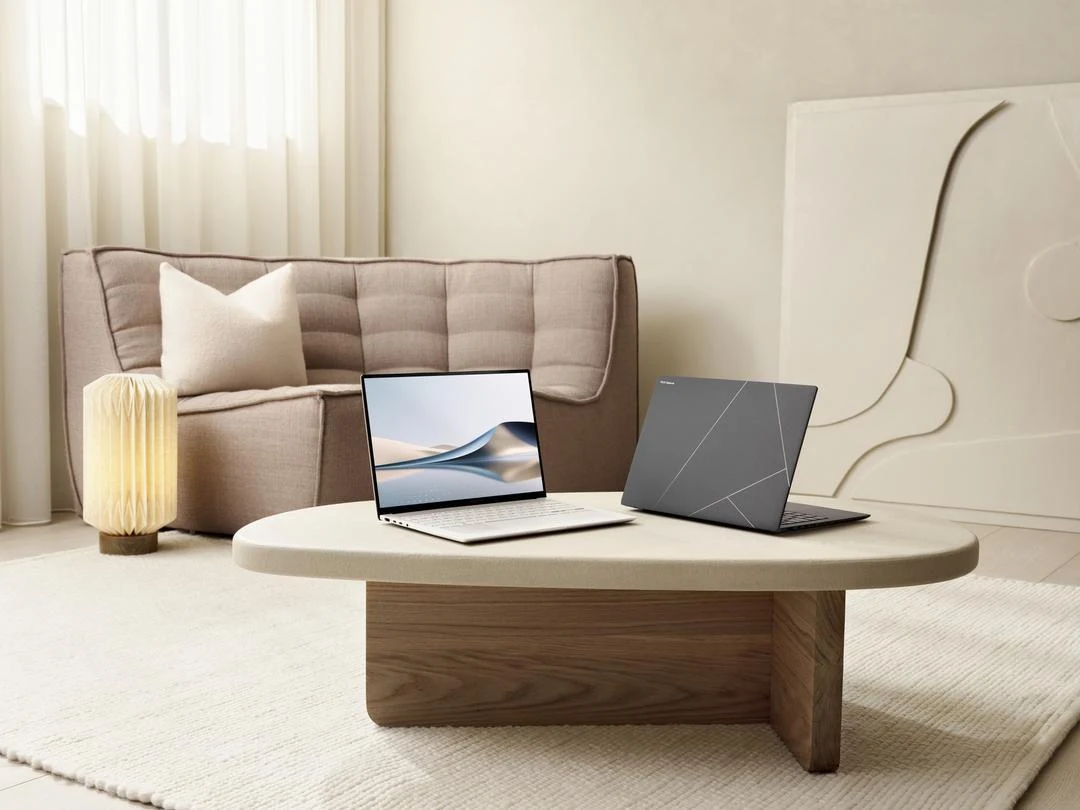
(246, 454)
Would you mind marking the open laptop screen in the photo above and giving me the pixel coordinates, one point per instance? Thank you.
(451, 438)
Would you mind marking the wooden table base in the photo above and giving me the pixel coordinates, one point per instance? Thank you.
(476, 656)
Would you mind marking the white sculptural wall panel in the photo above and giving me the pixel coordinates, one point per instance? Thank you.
(931, 289)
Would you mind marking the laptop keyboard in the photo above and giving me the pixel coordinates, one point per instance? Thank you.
(793, 517)
(472, 515)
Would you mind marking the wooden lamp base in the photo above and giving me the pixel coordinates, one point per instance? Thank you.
(127, 543)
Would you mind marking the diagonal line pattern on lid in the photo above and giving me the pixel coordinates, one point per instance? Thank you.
(736, 492)
(703, 438)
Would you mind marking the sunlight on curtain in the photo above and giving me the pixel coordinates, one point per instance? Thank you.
(195, 124)
(186, 125)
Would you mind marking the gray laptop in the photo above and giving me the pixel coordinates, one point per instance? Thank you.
(724, 451)
(457, 455)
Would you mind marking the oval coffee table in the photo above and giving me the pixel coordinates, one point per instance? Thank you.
(658, 621)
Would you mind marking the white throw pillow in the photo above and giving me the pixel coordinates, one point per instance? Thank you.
(216, 342)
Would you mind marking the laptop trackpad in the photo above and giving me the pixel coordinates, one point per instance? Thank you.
(538, 522)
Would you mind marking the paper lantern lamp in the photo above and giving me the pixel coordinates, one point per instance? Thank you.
(129, 460)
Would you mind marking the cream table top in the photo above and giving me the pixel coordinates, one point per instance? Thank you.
(893, 547)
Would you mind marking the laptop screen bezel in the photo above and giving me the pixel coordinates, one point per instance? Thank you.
(414, 507)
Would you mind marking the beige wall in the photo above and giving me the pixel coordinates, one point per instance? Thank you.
(538, 127)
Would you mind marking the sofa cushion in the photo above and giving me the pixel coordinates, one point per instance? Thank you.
(212, 341)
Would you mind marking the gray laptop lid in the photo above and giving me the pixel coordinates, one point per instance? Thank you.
(720, 450)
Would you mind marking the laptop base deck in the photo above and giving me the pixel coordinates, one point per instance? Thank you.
(569, 518)
(821, 516)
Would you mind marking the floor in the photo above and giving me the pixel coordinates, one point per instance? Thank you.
(1026, 554)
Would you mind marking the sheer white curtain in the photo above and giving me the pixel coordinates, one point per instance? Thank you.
(190, 125)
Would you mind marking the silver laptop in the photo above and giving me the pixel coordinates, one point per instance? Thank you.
(457, 455)
(724, 451)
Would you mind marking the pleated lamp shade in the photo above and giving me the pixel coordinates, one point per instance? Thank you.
(129, 460)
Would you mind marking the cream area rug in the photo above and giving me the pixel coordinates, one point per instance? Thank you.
(180, 680)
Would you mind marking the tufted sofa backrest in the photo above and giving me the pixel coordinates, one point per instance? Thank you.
(556, 317)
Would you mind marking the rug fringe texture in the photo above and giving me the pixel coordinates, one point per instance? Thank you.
(181, 681)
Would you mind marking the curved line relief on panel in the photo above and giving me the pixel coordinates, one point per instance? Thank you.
(1052, 282)
(918, 401)
(814, 349)
(938, 209)
(1065, 113)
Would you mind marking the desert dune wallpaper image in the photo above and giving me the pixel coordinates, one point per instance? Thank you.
(501, 460)
(452, 437)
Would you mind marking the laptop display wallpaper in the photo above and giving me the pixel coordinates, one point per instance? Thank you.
(453, 437)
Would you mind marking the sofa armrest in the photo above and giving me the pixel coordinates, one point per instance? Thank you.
(243, 455)
(588, 445)
(232, 400)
